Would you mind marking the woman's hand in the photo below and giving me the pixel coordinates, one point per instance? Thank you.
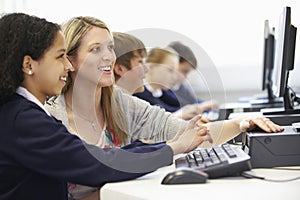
(263, 123)
(189, 137)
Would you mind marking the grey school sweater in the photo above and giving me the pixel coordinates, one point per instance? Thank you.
(144, 120)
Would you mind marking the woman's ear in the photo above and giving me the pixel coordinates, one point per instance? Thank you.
(27, 65)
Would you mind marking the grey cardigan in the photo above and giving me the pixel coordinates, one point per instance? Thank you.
(144, 120)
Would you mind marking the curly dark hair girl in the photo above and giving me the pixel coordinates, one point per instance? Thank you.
(21, 34)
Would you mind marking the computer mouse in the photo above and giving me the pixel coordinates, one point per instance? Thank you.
(185, 176)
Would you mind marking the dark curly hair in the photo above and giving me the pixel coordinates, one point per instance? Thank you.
(21, 34)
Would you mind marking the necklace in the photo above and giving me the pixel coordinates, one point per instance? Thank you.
(75, 115)
(93, 124)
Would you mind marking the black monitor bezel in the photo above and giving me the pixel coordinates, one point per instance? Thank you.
(284, 63)
(281, 68)
(268, 59)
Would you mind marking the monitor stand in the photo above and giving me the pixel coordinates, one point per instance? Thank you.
(276, 102)
(288, 105)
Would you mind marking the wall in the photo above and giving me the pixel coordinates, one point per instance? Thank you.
(226, 35)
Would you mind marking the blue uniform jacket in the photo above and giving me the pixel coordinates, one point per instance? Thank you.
(168, 100)
(38, 156)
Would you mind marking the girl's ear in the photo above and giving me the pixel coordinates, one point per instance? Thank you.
(27, 65)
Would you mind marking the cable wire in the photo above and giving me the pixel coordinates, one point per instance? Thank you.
(248, 175)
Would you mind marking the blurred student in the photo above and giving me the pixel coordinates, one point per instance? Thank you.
(187, 63)
(130, 68)
(162, 76)
(130, 71)
(38, 155)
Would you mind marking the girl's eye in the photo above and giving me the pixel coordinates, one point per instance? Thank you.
(61, 56)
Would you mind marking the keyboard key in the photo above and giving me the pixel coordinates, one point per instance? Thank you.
(229, 150)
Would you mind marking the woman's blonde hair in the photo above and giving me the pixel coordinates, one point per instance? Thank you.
(74, 30)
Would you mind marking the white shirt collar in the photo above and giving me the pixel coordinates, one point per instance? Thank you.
(156, 93)
(26, 94)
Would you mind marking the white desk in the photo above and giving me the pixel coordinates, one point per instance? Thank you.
(150, 187)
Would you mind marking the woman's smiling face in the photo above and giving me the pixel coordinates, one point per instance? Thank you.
(95, 57)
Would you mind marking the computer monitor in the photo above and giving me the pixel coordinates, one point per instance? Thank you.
(284, 62)
(268, 60)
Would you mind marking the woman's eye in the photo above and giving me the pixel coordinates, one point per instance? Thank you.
(96, 49)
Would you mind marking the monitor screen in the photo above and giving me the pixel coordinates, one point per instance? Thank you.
(284, 54)
(268, 59)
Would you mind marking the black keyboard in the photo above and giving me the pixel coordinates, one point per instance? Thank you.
(218, 161)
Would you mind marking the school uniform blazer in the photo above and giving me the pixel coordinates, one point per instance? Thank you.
(38, 156)
(167, 101)
(185, 96)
